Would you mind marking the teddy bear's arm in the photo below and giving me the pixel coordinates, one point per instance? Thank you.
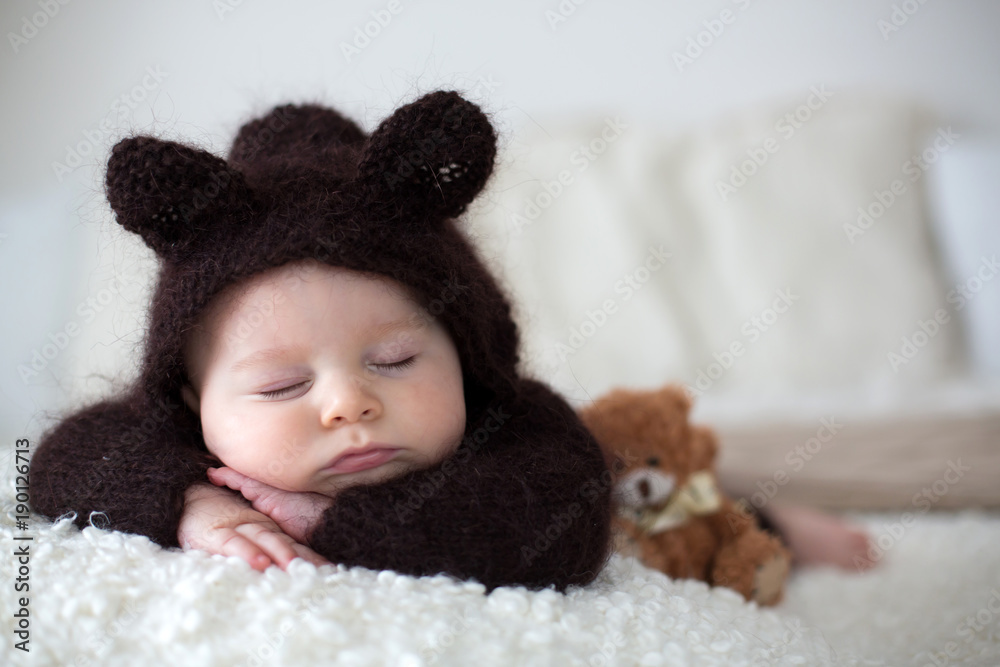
(111, 459)
(524, 502)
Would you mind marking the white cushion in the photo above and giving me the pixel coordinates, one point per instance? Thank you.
(855, 293)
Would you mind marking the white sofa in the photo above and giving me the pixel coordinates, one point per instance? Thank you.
(830, 256)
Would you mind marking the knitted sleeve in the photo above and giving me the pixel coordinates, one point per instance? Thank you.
(525, 500)
(125, 463)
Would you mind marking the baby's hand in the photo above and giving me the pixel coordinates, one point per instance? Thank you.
(220, 522)
(295, 513)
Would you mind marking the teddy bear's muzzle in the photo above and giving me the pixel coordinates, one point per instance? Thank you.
(650, 500)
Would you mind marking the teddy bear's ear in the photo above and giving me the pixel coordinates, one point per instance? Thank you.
(704, 445)
(429, 159)
(676, 396)
(304, 131)
(175, 197)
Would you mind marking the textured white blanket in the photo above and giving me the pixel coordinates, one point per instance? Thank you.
(106, 598)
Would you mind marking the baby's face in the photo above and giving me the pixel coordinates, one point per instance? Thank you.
(313, 363)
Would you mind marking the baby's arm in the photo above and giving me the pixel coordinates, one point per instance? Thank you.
(129, 464)
(527, 502)
(219, 521)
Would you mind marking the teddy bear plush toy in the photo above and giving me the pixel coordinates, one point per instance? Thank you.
(670, 512)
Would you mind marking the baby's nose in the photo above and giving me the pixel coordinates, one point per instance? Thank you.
(350, 400)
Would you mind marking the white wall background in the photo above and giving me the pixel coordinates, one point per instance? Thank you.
(82, 80)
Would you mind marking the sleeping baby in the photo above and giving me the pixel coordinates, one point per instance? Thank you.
(330, 371)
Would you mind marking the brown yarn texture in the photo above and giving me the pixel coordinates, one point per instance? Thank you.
(523, 501)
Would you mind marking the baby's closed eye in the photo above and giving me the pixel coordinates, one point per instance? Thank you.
(397, 365)
(280, 392)
(393, 366)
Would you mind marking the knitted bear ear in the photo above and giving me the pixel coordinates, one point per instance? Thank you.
(175, 197)
(430, 158)
(296, 131)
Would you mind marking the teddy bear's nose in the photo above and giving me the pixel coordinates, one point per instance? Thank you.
(644, 487)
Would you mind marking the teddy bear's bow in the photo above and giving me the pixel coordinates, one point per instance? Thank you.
(698, 497)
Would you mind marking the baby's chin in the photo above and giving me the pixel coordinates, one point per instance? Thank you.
(334, 484)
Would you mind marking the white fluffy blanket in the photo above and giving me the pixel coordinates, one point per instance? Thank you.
(106, 598)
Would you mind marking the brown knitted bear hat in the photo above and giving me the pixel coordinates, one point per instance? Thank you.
(303, 182)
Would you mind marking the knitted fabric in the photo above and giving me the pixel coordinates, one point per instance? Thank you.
(523, 500)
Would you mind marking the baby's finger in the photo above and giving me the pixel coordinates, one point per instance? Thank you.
(239, 546)
(307, 554)
(249, 487)
(227, 477)
(275, 544)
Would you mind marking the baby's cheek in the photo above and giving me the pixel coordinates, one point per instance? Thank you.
(450, 421)
(213, 443)
(233, 445)
(434, 420)
(457, 428)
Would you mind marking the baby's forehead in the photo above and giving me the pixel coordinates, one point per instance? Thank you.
(272, 286)
(255, 296)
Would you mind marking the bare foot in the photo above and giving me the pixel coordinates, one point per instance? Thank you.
(819, 538)
(769, 580)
